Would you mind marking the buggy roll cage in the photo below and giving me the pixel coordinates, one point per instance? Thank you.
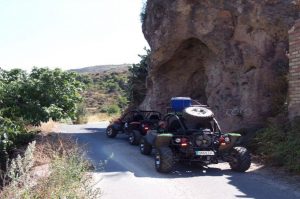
(177, 116)
(144, 113)
(216, 127)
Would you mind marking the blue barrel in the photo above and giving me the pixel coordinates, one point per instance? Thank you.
(180, 103)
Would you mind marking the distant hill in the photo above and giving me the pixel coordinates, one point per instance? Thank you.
(102, 69)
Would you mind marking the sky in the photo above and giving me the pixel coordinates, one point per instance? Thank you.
(69, 33)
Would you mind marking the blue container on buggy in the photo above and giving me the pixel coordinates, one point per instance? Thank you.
(178, 104)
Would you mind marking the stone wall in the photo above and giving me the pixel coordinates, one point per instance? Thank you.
(294, 76)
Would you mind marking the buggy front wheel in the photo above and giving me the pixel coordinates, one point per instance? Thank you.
(145, 147)
(134, 137)
(110, 132)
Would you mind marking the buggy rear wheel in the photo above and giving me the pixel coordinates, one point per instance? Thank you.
(164, 160)
(145, 147)
(241, 159)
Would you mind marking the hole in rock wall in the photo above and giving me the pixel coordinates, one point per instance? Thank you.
(184, 74)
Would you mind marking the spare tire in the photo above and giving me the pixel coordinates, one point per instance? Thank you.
(197, 112)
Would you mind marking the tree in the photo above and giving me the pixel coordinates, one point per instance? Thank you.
(143, 13)
(137, 79)
(38, 96)
(31, 99)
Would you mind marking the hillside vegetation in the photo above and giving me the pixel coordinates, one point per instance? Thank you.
(104, 96)
(105, 91)
(102, 69)
(112, 91)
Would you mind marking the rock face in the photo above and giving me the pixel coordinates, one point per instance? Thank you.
(229, 54)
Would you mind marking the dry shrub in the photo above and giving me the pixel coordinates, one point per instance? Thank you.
(83, 119)
(67, 176)
(97, 117)
(51, 145)
(68, 167)
(44, 128)
(48, 127)
(17, 178)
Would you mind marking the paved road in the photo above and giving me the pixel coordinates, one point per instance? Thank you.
(123, 172)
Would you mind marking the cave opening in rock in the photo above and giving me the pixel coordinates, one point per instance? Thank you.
(185, 73)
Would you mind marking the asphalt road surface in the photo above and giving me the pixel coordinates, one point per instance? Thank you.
(122, 172)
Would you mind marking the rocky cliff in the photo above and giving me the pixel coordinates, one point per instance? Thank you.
(229, 54)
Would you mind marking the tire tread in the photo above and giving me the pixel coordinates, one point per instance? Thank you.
(166, 160)
(244, 159)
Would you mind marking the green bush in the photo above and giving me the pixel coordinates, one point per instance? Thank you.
(81, 114)
(113, 109)
(122, 101)
(280, 145)
(112, 82)
(12, 136)
(85, 79)
(112, 87)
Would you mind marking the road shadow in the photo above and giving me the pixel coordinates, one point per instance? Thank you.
(116, 157)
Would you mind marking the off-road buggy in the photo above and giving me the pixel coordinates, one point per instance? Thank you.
(135, 124)
(193, 135)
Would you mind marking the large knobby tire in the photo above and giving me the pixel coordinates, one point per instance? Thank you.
(111, 132)
(134, 137)
(241, 159)
(164, 160)
(145, 147)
